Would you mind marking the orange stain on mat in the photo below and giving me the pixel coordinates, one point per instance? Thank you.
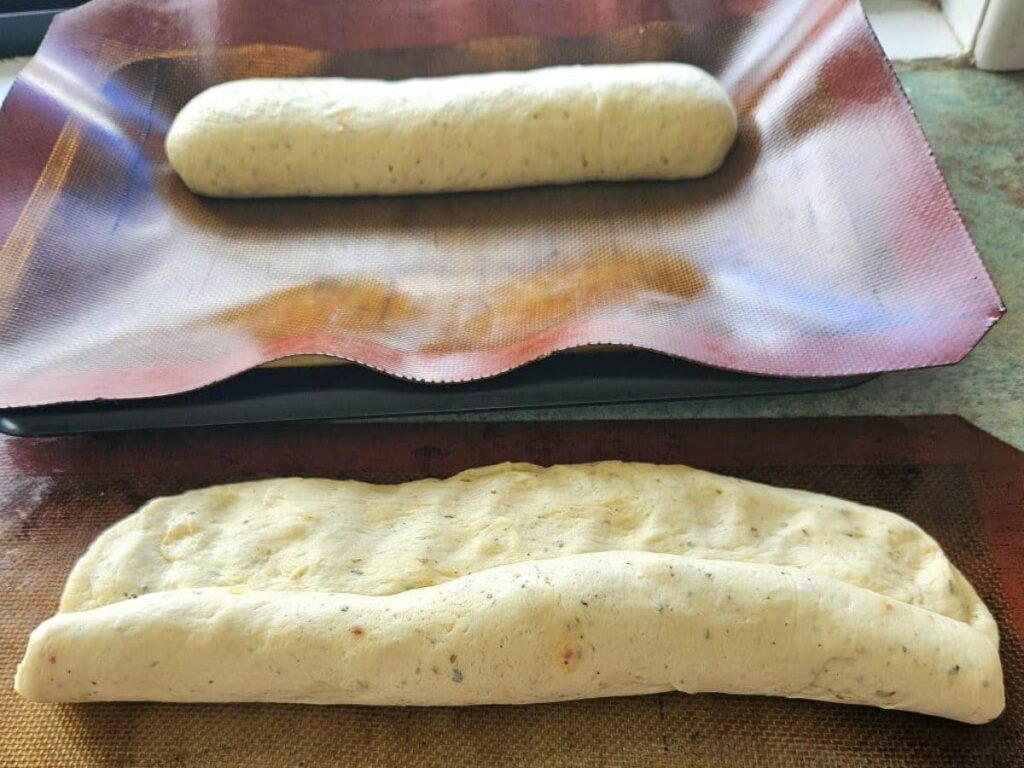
(578, 288)
(571, 290)
(322, 307)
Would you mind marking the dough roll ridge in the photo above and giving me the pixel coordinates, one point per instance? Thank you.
(598, 624)
(322, 535)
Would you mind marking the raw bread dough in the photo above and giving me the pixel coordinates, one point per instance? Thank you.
(348, 536)
(338, 136)
(601, 624)
(430, 570)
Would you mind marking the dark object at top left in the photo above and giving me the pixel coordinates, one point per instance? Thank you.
(24, 22)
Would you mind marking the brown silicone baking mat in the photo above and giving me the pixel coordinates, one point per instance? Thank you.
(828, 245)
(963, 486)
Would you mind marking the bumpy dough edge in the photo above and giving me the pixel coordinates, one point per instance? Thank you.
(429, 531)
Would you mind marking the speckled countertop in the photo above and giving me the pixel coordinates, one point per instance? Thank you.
(975, 123)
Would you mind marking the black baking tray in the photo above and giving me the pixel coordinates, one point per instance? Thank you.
(333, 392)
(24, 22)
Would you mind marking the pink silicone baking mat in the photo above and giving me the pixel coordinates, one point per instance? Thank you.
(828, 244)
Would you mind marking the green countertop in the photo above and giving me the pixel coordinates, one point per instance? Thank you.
(975, 123)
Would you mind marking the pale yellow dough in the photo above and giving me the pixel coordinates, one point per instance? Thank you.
(338, 591)
(560, 125)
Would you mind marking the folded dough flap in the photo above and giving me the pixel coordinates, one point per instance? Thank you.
(315, 535)
(598, 624)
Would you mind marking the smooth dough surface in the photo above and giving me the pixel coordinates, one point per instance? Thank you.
(560, 125)
(601, 624)
(330, 591)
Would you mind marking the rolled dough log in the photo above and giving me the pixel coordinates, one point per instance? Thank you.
(517, 583)
(601, 624)
(338, 136)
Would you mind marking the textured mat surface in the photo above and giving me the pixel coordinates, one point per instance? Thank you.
(827, 245)
(964, 487)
